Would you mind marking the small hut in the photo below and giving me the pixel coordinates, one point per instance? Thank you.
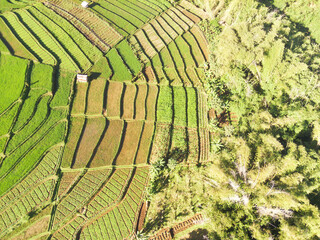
(82, 78)
(85, 4)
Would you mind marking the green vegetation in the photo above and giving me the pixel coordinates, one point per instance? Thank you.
(129, 57)
(63, 89)
(164, 105)
(120, 71)
(13, 72)
(262, 179)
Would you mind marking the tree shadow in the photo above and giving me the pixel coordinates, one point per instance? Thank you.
(198, 234)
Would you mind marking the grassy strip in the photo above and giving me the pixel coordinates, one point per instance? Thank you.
(153, 92)
(90, 137)
(139, 7)
(114, 94)
(165, 105)
(126, 12)
(129, 101)
(129, 57)
(13, 73)
(53, 137)
(130, 142)
(179, 145)
(180, 106)
(91, 51)
(64, 38)
(96, 96)
(192, 107)
(145, 144)
(140, 104)
(75, 130)
(196, 51)
(109, 144)
(79, 101)
(185, 51)
(7, 118)
(120, 71)
(62, 94)
(120, 24)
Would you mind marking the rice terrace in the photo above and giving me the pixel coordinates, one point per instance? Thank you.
(92, 96)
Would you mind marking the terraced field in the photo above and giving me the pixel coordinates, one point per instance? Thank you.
(76, 156)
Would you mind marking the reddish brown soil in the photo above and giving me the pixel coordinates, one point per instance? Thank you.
(128, 101)
(130, 143)
(190, 15)
(142, 216)
(151, 77)
(95, 96)
(109, 145)
(92, 133)
(114, 94)
(151, 102)
(145, 144)
(141, 102)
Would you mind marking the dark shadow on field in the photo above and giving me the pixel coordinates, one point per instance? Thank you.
(94, 75)
(198, 234)
(159, 221)
(6, 44)
(178, 154)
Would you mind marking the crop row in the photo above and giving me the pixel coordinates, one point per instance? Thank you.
(18, 164)
(100, 142)
(154, 36)
(69, 230)
(90, 50)
(67, 180)
(110, 193)
(180, 62)
(79, 195)
(94, 28)
(182, 143)
(25, 204)
(116, 100)
(119, 223)
(47, 167)
(128, 16)
(63, 37)
(49, 42)
(178, 105)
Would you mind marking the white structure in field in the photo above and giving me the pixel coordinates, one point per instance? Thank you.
(85, 4)
(82, 78)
